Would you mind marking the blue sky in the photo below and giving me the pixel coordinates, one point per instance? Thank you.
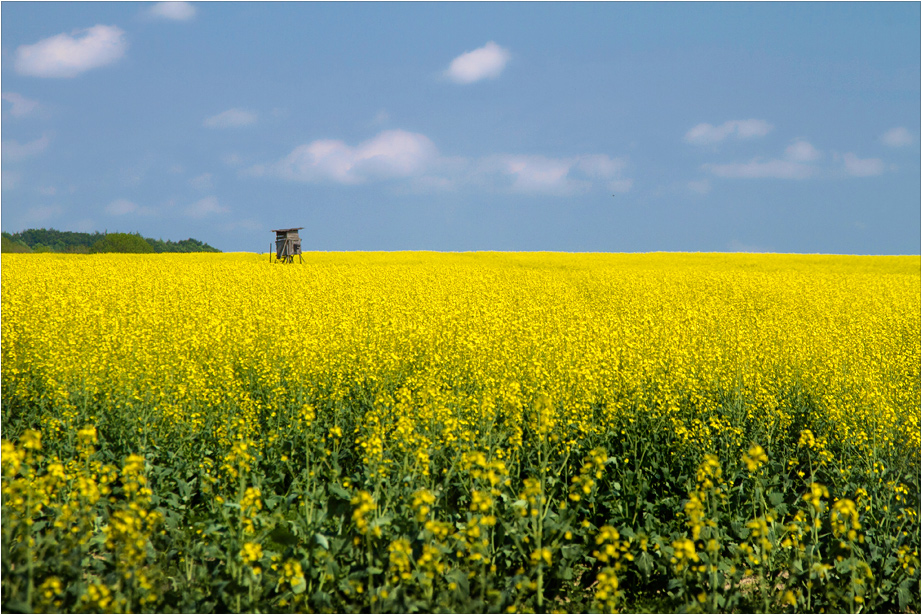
(584, 127)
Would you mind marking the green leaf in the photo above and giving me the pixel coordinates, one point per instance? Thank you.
(645, 563)
(283, 536)
(17, 607)
(299, 587)
(904, 596)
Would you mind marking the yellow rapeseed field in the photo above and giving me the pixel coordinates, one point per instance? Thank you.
(473, 431)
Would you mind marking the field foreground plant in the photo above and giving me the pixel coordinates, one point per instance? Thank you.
(416, 432)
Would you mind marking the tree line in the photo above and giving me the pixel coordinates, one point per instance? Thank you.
(51, 240)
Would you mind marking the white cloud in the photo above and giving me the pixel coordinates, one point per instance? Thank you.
(431, 183)
(402, 155)
(600, 165)
(68, 55)
(776, 169)
(797, 163)
(42, 213)
(22, 106)
(13, 150)
(203, 182)
(395, 153)
(9, 179)
(124, 207)
(205, 207)
(248, 224)
(537, 173)
(85, 225)
(707, 134)
(231, 118)
(802, 151)
(621, 185)
(381, 117)
(487, 62)
(701, 186)
(390, 154)
(858, 167)
(174, 11)
(232, 160)
(897, 137)
(800, 161)
(121, 207)
(555, 176)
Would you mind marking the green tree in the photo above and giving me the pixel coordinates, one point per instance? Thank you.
(122, 242)
(12, 245)
(52, 240)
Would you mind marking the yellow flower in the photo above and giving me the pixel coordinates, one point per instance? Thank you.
(31, 440)
(251, 552)
(544, 554)
(755, 458)
(364, 503)
(293, 575)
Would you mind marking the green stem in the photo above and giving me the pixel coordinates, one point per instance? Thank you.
(542, 461)
(30, 587)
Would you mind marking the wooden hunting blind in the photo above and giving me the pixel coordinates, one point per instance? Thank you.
(287, 244)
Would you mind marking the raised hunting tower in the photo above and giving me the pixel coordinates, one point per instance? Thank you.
(287, 244)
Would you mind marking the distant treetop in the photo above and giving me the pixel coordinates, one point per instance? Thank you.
(51, 240)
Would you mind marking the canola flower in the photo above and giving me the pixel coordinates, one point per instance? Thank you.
(409, 430)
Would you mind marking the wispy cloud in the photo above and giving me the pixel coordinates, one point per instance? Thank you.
(534, 174)
(85, 225)
(173, 11)
(801, 160)
(797, 163)
(202, 182)
(42, 214)
(897, 137)
(247, 224)
(68, 55)
(381, 118)
(802, 151)
(203, 208)
(400, 155)
(124, 207)
(700, 186)
(390, 154)
(487, 62)
(866, 167)
(231, 118)
(708, 134)
(9, 179)
(232, 159)
(21, 106)
(13, 150)
(537, 173)
(776, 169)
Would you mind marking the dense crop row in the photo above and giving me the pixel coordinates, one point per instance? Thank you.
(461, 432)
